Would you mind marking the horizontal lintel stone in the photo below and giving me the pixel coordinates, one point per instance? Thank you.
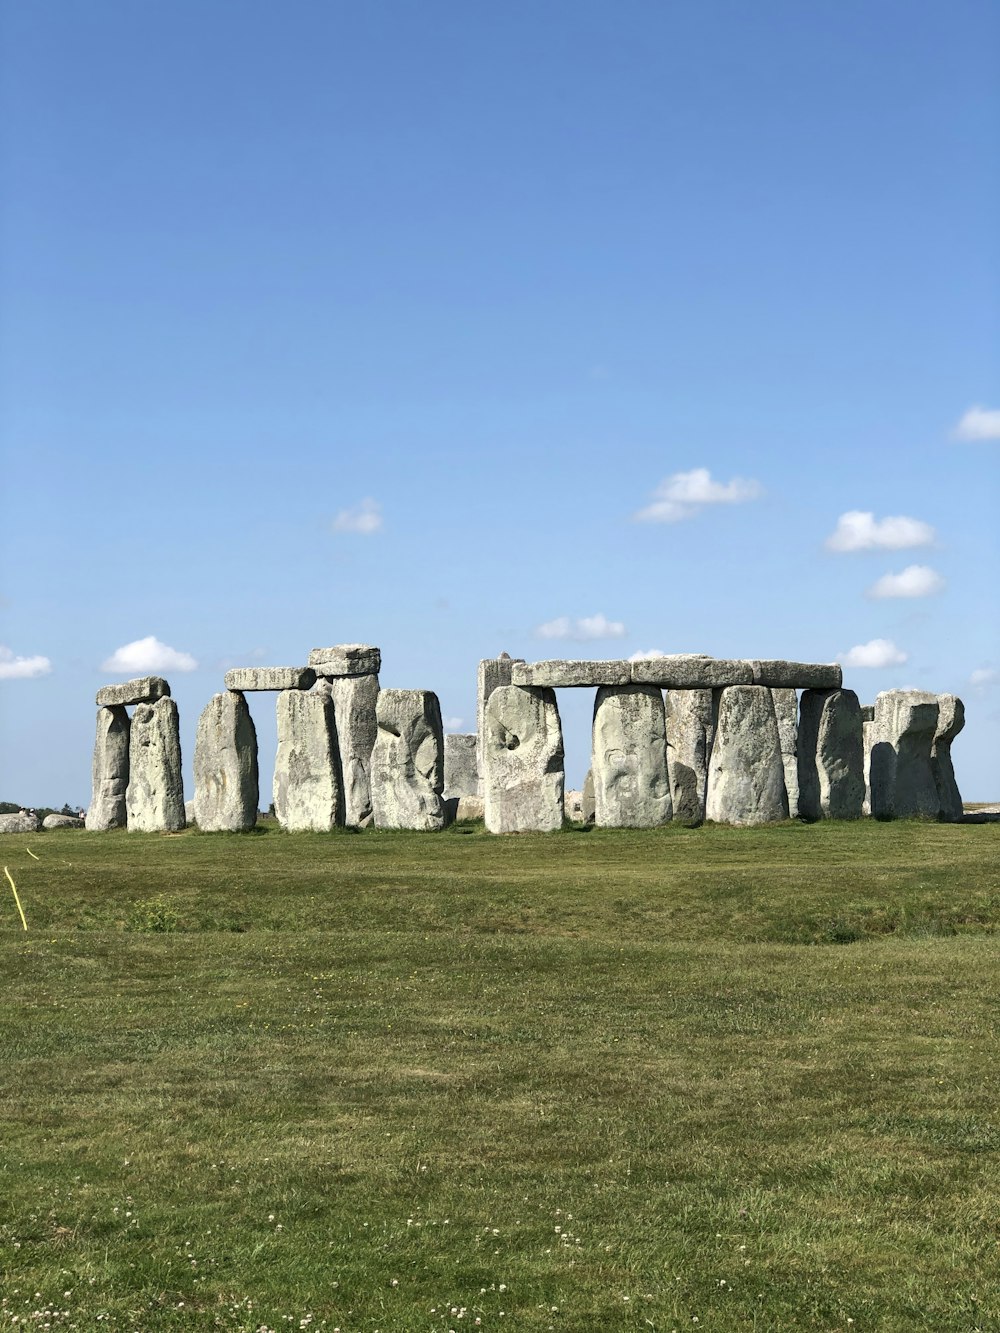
(691, 671)
(143, 690)
(346, 659)
(270, 678)
(782, 675)
(556, 673)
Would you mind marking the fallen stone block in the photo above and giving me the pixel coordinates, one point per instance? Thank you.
(629, 758)
(307, 788)
(746, 776)
(902, 780)
(245, 680)
(155, 797)
(523, 777)
(61, 821)
(110, 770)
(226, 791)
(22, 822)
(831, 755)
(142, 690)
(346, 659)
(408, 762)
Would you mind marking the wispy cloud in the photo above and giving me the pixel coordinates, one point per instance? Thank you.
(452, 723)
(644, 657)
(13, 667)
(587, 627)
(874, 653)
(860, 530)
(979, 423)
(365, 518)
(913, 581)
(983, 676)
(685, 493)
(147, 654)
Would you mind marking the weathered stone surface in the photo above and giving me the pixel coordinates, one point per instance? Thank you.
(346, 659)
(831, 755)
(23, 822)
(573, 806)
(779, 674)
(189, 813)
(245, 679)
(226, 792)
(142, 690)
(867, 712)
(587, 803)
(690, 722)
(408, 762)
(493, 672)
(109, 770)
(523, 778)
(951, 720)
(691, 671)
(307, 787)
(629, 758)
(155, 797)
(867, 737)
(572, 674)
(902, 781)
(786, 710)
(469, 807)
(62, 821)
(746, 774)
(461, 769)
(354, 703)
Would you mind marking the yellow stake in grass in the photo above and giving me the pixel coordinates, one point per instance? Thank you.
(32, 854)
(16, 898)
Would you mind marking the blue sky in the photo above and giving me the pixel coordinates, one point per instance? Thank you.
(565, 329)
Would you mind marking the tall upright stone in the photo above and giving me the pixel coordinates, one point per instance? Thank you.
(951, 720)
(408, 762)
(746, 773)
(110, 770)
(226, 790)
(629, 758)
(522, 754)
(831, 755)
(307, 786)
(155, 797)
(690, 722)
(786, 710)
(461, 767)
(867, 736)
(902, 780)
(493, 672)
(354, 703)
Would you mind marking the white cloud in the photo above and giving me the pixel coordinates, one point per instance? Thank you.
(984, 676)
(365, 518)
(587, 627)
(875, 653)
(22, 668)
(685, 493)
(147, 654)
(913, 581)
(979, 423)
(452, 723)
(644, 657)
(858, 530)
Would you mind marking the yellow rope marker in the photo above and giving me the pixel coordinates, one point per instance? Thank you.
(16, 898)
(32, 854)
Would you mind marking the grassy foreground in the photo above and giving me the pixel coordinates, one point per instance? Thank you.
(682, 1079)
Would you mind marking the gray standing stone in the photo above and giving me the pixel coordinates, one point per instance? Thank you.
(831, 755)
(307, 788)
(629, 758)
(493, 672)
(155, 796)
(786, 710)
(142, 690)
(690, 721)
(270, 678)
(951, 720)
(22, 822)
(902, 780)
(110, 770)
(226, 792)
(408, 762)
(587, 802)
(354, 702)
(461, 768)
(867, 736)
(523, 777)
(573, 806)
(746, 774)
(346, 659)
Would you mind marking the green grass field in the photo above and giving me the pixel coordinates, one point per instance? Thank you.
(680, 1079)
